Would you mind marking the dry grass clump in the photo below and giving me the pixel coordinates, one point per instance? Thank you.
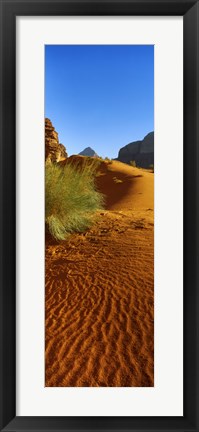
(71, 198)
(133, 163)
(117, 180)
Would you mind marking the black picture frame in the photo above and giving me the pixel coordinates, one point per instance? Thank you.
(189, 9)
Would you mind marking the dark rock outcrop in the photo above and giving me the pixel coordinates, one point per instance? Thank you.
(88, 151)
(142, 152)
(54, 151)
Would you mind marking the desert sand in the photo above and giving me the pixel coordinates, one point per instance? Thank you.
(100, 290)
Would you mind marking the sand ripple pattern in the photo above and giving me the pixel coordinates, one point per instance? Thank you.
(100, 305)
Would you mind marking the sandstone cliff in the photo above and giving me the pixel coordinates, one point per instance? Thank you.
(142, 152)
(54, 151)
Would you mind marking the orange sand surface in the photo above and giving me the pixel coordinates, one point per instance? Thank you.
(100, 290)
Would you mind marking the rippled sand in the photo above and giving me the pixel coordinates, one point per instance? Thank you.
(100, 292)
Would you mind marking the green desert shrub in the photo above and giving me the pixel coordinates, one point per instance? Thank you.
(151, 167)
(108, 160)
(117, 180)
(71, 198)
(133, 163)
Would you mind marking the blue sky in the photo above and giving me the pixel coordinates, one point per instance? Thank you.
(99, 96)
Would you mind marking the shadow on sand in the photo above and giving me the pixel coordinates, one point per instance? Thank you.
(114, 185)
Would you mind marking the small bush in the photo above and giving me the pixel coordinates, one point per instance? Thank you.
(116, 180)
(71, 199)
(133, 163)
(108, 160)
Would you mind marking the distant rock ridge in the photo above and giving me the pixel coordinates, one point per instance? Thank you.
(88, 151)
(142, 152)
(54, 151)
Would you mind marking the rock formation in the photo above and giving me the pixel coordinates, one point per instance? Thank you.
(54, 151)
(88, 151)
(142, 152)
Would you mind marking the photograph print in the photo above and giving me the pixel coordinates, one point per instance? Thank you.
(99, 215)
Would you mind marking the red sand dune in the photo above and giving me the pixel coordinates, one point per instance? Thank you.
(100, 290)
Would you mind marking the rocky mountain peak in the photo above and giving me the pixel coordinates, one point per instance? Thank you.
(88, 151)
(142, 152)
